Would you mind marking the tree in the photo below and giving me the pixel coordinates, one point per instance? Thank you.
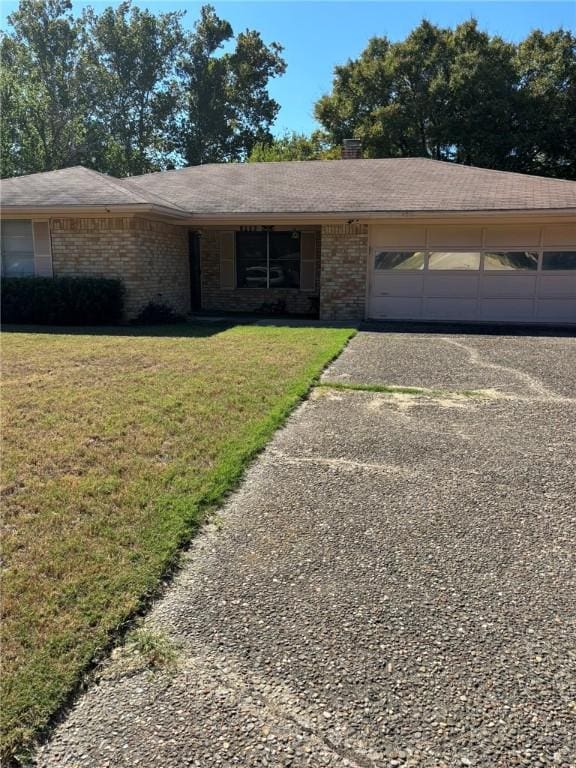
(461, 95)
(226, 105)
(127, 91)
(482, 86)
(43, 88)
(132, 55)
(546, 68)
(294, 146)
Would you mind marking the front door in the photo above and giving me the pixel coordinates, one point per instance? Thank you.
(195, 273)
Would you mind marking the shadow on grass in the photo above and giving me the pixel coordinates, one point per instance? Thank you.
(198, 328)
(176, 330)
(469, 329)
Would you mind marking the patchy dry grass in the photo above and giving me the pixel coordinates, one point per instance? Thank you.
(114, 444)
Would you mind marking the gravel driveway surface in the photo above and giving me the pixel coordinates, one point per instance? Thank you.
(393, 585)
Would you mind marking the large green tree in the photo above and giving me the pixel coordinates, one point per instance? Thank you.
(44, 101)
(127, 91)
(132, 55)
(461, 95)
(546, 135)
(227, 108)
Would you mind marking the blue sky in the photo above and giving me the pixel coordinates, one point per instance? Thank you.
(318, 35)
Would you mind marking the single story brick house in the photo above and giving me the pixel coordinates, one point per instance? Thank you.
(350, 239)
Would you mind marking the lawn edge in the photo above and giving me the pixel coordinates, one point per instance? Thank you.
(224, 484)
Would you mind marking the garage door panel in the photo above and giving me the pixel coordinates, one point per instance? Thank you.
(519, 310)
(387, 283)
(451, 285)
(460, 281)
(554, 285)
(385, 236)
(396, 308)
(506, 236)
(459, 237)
(556, 310)
(507, 286)
(450, 309)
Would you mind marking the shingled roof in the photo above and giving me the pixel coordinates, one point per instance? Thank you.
(75, 187)
(387, 186)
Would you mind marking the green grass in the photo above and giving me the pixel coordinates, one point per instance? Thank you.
(391, 389)
(115, 444)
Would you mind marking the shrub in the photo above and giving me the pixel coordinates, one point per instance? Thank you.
(62, 300)
(153, 314)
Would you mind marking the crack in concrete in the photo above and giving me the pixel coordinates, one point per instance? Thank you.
(477, 360)
(340, 463)
(239, 683)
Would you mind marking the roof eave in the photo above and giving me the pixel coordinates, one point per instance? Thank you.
(45, 211)
(323, 216)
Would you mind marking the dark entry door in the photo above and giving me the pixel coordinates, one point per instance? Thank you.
(195, 277)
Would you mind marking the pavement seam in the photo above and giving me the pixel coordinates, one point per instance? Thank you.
(341, 463)
(397, 389)
(238, 683)
(477, 360)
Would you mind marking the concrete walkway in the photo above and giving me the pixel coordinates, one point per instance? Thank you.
(393, 585)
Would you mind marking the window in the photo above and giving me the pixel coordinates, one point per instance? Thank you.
(268, 259)
(17, 248)
(454, 260)
(553, 260)
(511, 260)
(399, 260)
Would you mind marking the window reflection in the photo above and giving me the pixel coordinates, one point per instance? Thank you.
(399, 260)
(554, 260)
(511, 260)
(454, 260)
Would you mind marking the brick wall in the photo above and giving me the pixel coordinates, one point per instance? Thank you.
(151, 257)
(249, 299)
(343, 272)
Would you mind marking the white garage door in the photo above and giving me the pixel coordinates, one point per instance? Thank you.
(527, 286)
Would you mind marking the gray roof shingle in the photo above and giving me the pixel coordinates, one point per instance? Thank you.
(77, 186)
(337, 186)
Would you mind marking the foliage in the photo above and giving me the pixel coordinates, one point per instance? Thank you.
(131, 55)
(156, 314)
(114, 446)
(294, 146)
(155, 648)
(227, 108)
(62, 300)
(461, 95)
(127, 91)
(44, 98)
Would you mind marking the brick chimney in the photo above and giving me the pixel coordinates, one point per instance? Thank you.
(351, 149)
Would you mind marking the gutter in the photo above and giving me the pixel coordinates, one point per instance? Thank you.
(356, 216)
(92, 210)
(286, 217)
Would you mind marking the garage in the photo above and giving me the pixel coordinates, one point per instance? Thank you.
(521, 274)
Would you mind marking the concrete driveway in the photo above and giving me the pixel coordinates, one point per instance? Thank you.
(393, 585)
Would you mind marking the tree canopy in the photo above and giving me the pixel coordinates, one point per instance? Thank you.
(461, 95)
(127, 91)
(294, 146)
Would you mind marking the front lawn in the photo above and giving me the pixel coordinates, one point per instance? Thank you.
(114, 445)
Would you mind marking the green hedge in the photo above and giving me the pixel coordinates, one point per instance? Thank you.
(62, 300)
